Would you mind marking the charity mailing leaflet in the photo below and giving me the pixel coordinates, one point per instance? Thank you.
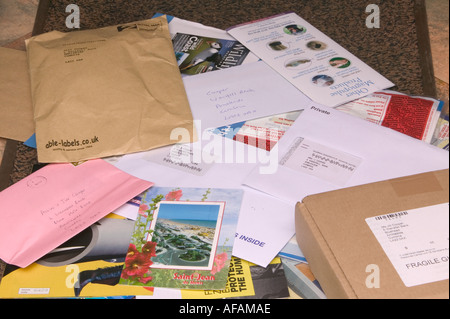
(310, 60)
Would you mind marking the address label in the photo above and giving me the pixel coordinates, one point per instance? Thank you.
(416, 242)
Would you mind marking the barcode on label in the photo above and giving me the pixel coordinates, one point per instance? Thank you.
(34, 291)
(391, 216)
(291, 150)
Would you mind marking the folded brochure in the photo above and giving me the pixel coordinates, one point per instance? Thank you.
(315, 64)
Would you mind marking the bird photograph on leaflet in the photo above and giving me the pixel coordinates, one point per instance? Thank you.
(198, 54)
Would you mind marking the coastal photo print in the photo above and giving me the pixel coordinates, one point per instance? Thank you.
(186, 233)
(183, 238)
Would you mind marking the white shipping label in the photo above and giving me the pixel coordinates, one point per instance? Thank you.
(183, 157)
(416, 242)
(321, 161)
(34, 291)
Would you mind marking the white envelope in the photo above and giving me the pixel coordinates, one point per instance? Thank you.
(241, 93)
(265, 227)
(327, 149)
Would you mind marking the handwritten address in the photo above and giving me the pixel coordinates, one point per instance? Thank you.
(232, 103)
(68, 212)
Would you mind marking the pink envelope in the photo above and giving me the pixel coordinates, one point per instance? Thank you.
(50, 206)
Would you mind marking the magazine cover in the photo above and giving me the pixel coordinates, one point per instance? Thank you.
(198, 54)
(183, 238)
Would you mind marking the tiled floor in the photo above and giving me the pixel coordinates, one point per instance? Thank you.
(17, 19)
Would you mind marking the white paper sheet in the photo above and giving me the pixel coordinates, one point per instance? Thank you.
(363, 151)
(314, 63)
(265, 226)
(241, 93)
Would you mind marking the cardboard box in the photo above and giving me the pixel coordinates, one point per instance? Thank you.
(343, 251)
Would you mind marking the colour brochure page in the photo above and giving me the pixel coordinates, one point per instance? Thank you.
(315, 64)
(183, 238)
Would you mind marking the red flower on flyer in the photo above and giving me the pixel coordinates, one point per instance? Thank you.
(149, 249)
(136, 266)
(219, 263)
(145, 280)
(174, 195)
(132, 251)
(143, 210)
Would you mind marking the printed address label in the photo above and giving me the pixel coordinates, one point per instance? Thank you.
(321, 161)
(416, 242)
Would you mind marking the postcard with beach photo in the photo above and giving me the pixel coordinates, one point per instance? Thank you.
(183, 238)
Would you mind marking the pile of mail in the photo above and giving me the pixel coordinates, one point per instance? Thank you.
(176, 153)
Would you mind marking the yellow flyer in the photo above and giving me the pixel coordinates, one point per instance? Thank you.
(247, 280)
